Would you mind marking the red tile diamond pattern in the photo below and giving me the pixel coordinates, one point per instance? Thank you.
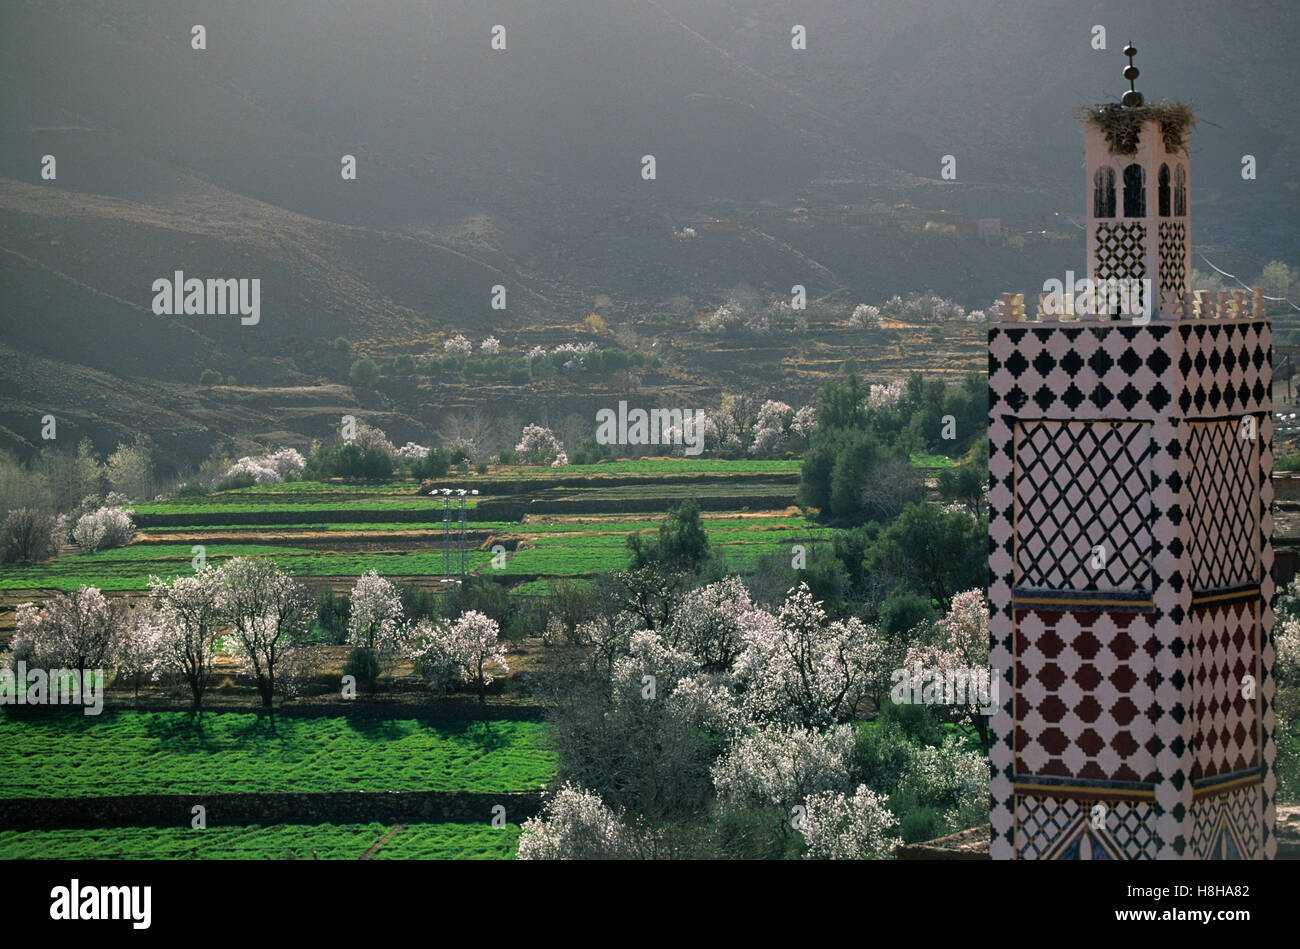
(1227, 722)
(1085, 699)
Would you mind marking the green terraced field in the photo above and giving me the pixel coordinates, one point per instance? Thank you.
(275, 842)
(129, 568)
(176, 753)
(224, 504)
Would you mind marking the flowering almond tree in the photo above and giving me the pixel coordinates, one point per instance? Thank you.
(836, 827)
(463, 650)
(780, 765)
(269, 613)
(575, 825)
(375, 622)
(104, 528)
(280, 465)
(190, 608)
(707, 623)
(959, 643)
(140, 652)
(798, 667)
(770, 430)
(81, 631)
(458, 345)
(538, 445)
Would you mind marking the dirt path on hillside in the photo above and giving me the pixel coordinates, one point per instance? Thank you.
(378, 844)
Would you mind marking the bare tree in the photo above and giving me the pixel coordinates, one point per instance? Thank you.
(889, 487)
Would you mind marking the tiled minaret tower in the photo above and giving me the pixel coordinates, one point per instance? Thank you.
(1130, 533)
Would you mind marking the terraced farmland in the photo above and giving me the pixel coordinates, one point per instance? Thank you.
(552, 524)
(567, 522)
(175, 753)
(302, 841)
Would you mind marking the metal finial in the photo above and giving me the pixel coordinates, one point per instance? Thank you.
(1132, 98)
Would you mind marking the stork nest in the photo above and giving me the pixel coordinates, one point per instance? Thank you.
(1122, 125)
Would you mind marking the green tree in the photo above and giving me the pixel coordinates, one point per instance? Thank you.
(210, 377)
(364, 372)
(966, 482)
(932, 552)
(1275, 279)
(682, 544)
(130, 469)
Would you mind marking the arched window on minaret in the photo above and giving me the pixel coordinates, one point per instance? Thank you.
(1103, 193)
(1180, 191)
(1162, 190)
(1135, 191)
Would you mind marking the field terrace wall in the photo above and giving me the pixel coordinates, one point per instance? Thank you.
(343, 807)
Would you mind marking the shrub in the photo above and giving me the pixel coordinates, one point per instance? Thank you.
(403, 365)
(26, 537)
(363, 665)
(191, 489)
(104, 528)
(210, 377)
(364, 372)
(913, 721)
(919, 824)
(342, 345)
(332, 615)
(349, 461)
(238, 479)
(434, 464)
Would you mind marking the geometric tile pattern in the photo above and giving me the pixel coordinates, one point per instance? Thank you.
(1228, 826)
(1226, 738)
(1085, 698)
(1081, 488)
(1173, 257)
(1223, 485)
(1121, 251)
(1053, 828)
(1223, 367)
(1109, 370)
(1175, 376)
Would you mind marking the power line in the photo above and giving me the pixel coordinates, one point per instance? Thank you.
(1243, 286)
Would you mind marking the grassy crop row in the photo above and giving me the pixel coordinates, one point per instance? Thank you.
(274, 842)
(126, 752)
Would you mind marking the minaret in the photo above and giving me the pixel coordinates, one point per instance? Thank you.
(1130, 530)
(1137, 195)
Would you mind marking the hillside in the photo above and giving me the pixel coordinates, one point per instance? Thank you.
(520, 168)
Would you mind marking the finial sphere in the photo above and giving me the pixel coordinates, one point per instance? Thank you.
(1130, 50)
(1132, 99)
(1131, 73)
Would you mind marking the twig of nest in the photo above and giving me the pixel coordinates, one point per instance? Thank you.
(1122, 125)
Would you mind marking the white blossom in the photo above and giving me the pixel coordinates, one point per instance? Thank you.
(458, 345)
(781, 765)
(81, 630)
(375, 621)
(463, 650)
(575, 825)
(104, 528)
(539, 445)
(836, 827)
